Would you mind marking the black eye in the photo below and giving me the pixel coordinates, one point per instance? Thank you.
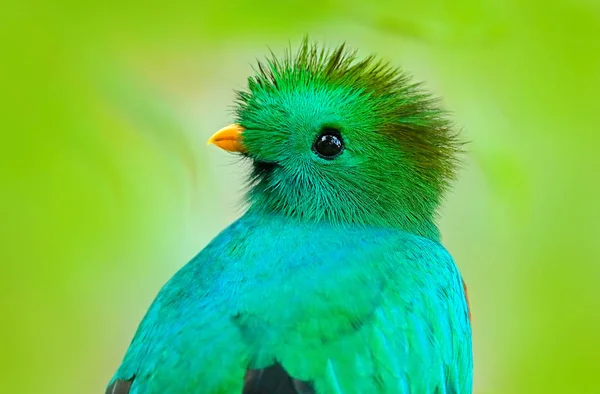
(329, 143)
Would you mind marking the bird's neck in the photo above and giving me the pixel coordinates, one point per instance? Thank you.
(411, 222)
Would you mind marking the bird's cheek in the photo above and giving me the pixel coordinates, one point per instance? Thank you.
(265, 148)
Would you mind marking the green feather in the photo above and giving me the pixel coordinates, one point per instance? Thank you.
(401, 150)
(336, 272)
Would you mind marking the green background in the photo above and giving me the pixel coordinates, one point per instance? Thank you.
(108, 187)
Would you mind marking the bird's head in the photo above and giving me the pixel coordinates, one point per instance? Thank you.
(337, 139)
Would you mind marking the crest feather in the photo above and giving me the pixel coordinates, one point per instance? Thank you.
(412, 117)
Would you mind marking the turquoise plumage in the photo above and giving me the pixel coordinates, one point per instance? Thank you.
(334, 281)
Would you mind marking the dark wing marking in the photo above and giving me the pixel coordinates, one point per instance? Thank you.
(467, 299)
(274, 380)
(120, 386)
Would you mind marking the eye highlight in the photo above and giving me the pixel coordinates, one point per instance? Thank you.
(329, 144)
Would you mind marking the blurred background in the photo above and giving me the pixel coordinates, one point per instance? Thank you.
(108, 187)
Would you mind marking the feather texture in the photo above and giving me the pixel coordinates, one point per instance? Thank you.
(334, 281)
(401, 151)
(348, 309)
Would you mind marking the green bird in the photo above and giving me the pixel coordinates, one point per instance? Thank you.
(334, 281)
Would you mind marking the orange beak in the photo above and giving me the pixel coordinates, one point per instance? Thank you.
(229, 138)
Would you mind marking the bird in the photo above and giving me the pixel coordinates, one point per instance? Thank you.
(334, 280)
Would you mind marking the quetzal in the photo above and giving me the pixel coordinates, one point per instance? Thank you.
(334, 281)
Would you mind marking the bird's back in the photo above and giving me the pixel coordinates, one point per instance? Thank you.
(273, 304)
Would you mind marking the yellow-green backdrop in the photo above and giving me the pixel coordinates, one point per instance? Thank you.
(107, 186)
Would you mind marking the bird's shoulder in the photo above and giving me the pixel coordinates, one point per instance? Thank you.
(400, 326)
(422, 327)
